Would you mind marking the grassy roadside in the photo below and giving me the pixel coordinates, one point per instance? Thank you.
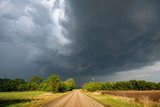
(27, 99)
(113, 101)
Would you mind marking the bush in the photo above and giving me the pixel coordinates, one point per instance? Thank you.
(70, 83)
(92, 86)
(63, 87)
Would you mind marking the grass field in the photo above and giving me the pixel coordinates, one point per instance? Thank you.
(26, 99)
(119, 101)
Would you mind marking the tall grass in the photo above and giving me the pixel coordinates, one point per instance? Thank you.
(118, 101)
(145, 98)
(26, 99)
(20, 95)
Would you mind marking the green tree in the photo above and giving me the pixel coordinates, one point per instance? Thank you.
(70, 83)
(92, 86)
(151, 86)
(158, 86)
(53, 83)
(63, 87)
(19, 83)
(34, 83)
(141, 85)
(107, 86)
(22, 87)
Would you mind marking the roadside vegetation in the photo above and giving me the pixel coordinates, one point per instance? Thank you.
(52, 84)
(38, 91)
(152, 95)
(32, 93)
(121, 85)
(27, 99)
(112, 101)
(133, 93)
(119, 101)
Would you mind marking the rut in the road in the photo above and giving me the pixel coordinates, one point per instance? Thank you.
(75, 99)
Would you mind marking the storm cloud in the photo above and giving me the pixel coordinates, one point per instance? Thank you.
(79, 38)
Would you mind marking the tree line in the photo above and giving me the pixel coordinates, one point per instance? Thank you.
(121, 85)
(52, 84)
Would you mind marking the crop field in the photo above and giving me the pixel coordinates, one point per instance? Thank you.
(126, 98)
(138, 95)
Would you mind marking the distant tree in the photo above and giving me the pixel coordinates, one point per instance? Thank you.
(92, 86)
(119, 86)
(63, 87)
(7, 85)
(134, 84)
(129, 85)
(34, 83)
(122, 85)
(35, 79)
(22, 87)
(151, 86)
(141, 85)
(18, 83)
(43, 86)
(107, 86)
(53, 83)
(158, 86)
(70, 83)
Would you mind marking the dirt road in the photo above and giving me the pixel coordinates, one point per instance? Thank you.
(74, 99)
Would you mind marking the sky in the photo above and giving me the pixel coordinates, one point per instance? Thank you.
(109, 40)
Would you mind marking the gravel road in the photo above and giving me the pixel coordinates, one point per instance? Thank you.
(74, 99)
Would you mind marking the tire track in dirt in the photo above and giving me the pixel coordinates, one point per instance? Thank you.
(75, 99)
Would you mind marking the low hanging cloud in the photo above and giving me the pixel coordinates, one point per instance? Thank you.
(79, 38)
(143, 72)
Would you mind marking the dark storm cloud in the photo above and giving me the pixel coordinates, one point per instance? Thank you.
(30, 38)
(116, 35)
(94, 37)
